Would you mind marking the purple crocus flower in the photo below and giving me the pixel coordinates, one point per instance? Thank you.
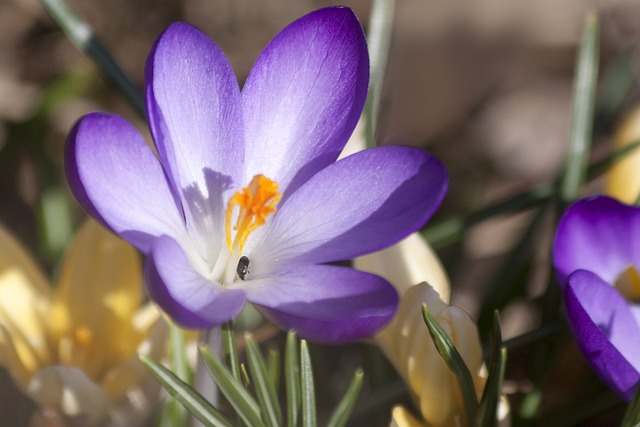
(597, 257)
(246, 201)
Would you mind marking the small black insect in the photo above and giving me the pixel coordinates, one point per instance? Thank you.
(243, 267)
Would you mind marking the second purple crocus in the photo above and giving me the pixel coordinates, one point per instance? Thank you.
(597, 258)
(245, 200)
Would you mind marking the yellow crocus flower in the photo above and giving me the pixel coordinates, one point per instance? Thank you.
(73, 348)
(623, 180)
(406, 341)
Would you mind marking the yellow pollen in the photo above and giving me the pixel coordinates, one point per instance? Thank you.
(256, 202)
(628, 283)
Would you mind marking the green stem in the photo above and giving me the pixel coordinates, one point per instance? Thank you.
(81, 35)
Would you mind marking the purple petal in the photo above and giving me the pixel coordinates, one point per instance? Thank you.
(195, 116)
(605, 330)
(118, 179)
(186, 296)
(304, 96)
(360, 204)
(325, 303)
(594, 235)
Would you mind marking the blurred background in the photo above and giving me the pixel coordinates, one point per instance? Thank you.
(485, 85)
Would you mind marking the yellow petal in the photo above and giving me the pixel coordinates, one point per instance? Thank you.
(407, 344)
(99, 290)
(407, 263)
(402, 418)
(24, 297)
(121, 378)
(623, 181)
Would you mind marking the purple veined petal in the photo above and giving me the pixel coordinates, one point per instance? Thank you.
(605, 330)
(360, 204)
(325, 303)
(594, 235)
(304, 96)
(187, 297)
(195, 115)
(118, 180)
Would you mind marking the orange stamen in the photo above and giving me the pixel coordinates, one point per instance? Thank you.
(256, 202)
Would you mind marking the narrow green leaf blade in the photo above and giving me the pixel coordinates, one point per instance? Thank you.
(233, 389)
(292, 378)
(582, 117)
(182, 392)
(273, 367)
(632, 416)
(454, 361)
(230, 349)
(308, 394)
(267, 396)
(343, 410)
(488, 409)
(378, 40)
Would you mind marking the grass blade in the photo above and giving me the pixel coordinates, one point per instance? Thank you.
(82, 37)
(230, 349)
(488, 409)
(182, 392)
(292, 379)
(378, 40)
(308, 394)
(267, 397)
(343, 410)
(582, 117)
(233, 389)
(454, 361)
(273, 368)
(632, 416)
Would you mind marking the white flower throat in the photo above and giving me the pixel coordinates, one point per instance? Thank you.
(254, 204)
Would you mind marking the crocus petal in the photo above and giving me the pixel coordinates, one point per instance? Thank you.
(594, 235)
(623, 179)
(190, 299)
(303, 97)
(24, 298)
(605, 330)
(115, 175)
(68, 389)
(102, 269)
(407, 263)
(400, 417)
(357, 205)
(195, 116)
(325, 303)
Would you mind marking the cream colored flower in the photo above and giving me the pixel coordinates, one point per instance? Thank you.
(406, 341)
(623, 181)
(74, 348)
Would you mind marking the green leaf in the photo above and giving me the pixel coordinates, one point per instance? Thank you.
(233, 389)
(273, 367)
(230, 349)
(182, 392)
(454, 361)
(179, 363)
(488, 409)
(81, 35)
(292, 378)
(632, 416)
(343, 410)
(267, 396)
(582, 118)
(378, 40)
(307, 388)
(451, 230)
(54, 216)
